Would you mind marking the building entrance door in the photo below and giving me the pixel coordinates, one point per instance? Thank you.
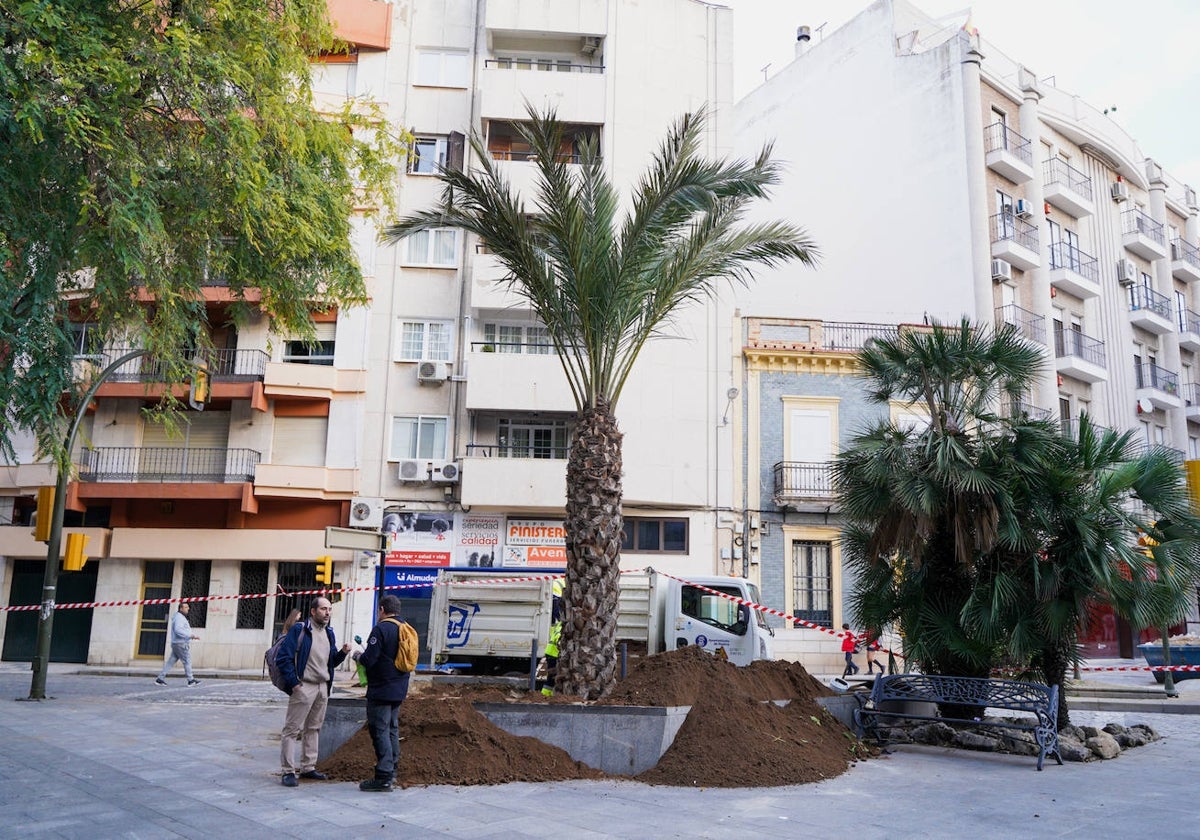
(72, 628)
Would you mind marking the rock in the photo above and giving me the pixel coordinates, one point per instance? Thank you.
(1019, 743)
(1072, 732)
(1071, 749)
(1089, 732)
(1148, 733)
(974, 741)
(1128, 739)
(1115, 730)
(1103, 745)
(933, 733)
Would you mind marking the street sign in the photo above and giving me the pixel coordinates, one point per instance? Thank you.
(355, 539)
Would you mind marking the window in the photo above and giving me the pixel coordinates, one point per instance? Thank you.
(196, 575)
(424, 341)
(442, 68)
(85, 339)
(418, 437)
(252, 612)
(319, 351)
(517, 338)
(812, 582)
(722, 613)
(658, 536)
(428, 153)
(533, 439)
(432, 247)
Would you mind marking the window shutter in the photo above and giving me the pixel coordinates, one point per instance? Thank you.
(300, 441)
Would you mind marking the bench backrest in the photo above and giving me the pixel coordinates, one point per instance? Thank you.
(966, 691)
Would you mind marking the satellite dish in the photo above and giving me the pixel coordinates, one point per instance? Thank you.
(1145, 406)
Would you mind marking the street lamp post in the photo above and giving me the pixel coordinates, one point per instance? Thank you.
(41, 656)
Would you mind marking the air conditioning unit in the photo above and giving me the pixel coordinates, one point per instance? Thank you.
(445, 472)
(432, 373)
(589, 44)
(1120, 191)
(1126, 272)
(1001, 271)
(413, 470)
(1023, 210)
(366, 513)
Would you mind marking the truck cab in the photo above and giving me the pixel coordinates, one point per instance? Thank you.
(693, 614)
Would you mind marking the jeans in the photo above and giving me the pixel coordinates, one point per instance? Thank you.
(383, 722)
(179, 653)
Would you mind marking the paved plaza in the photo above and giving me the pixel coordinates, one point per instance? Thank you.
(117, 756)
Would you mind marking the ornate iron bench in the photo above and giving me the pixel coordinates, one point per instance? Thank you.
(1039, 700)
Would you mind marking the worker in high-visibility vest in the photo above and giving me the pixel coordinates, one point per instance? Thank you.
(556, 623)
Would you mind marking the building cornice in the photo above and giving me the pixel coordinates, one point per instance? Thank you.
(800, 361)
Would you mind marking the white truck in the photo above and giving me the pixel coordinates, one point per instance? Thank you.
(486, 623)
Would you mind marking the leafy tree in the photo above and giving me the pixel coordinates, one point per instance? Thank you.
(148, 147)
(604, 287)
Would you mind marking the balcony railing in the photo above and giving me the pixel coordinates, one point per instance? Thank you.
(1066, 255)
(1143, 297)
(1189, 321)
(167, 464)
(1190, 391)
(549, 65)
(508, 154)
(840, 335)
(503, 450)
(1072, 343)
(1148, 375)
(1007, 225)
(228, 365)
(1024, 408)
(998, 136)
(803, 480)
(1187, 252)
(1135, 221)
(1031, 326)
(529, 348)
(1058, 171)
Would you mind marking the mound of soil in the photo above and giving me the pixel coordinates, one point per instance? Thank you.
(732, 736)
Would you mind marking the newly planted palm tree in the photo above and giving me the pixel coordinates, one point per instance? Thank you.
(604, 285)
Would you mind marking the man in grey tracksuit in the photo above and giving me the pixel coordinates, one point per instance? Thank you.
(180, 638)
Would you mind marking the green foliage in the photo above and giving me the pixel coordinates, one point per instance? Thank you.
(147, 148)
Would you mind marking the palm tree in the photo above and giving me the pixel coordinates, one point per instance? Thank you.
(603, 287)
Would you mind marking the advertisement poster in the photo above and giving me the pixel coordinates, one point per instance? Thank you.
(535, 542)
(478, 540)
(424, 538)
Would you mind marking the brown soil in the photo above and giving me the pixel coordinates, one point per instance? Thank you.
(731, 737)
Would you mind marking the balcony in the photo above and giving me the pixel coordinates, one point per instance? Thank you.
(583, 17)
(488, 287)
(1185, 261)
(1150, 310)
(1031, 326)
(1008, 153)
(1080, 356)
(1189, 331)
(1073, 271)
(364, 23)
(512, 483)
(223, 366)
(1191, 400)
(516, 377)
(1158, 385)
(1067, 188)
(804, 485)
(1015, 240)
(1142, 235)
(167, 464)
(576, 91)
(1023, 409)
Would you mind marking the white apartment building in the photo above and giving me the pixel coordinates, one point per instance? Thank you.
(941, 179)
(437, 411)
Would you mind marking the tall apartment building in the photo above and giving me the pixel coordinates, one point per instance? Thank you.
(943, 179)
(438, 412)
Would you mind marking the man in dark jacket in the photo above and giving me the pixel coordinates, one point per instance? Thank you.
(307, 659)
(386, 689)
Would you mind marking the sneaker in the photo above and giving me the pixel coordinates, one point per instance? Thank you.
(289, 780)
(193, 682)
(159, 681)
(316, 775)
(380, 785)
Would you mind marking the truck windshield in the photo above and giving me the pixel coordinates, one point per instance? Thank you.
(722, 613)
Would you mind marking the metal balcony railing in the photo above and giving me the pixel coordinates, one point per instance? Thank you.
(1024, 408)
(1143, 297)
(842, 335)
(1189, 321)
(1185, 251)
(1058, 171)
(803, 480)
(549, 65)
(1072, 343)
(508, 154)
(998, 136)
(1031, 325)
(1190, 391)
(1007, 225)
(504, 450)
(1065, 255)
(227, 365)
(1135, 221)
(1148, 375)
(167, 464)
(529, 348)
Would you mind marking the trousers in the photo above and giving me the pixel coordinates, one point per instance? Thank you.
(179, 653)
(302, 727)
(383, 722)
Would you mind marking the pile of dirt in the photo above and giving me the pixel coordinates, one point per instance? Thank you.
(732, 736)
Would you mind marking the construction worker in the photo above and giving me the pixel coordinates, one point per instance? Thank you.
(556, 611)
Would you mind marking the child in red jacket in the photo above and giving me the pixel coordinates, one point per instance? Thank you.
(849, 647)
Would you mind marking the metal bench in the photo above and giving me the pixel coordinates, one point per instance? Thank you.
(1039, 700)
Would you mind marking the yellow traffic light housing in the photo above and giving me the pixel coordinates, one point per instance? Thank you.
(201, 386)
(325, 569)
(74, 559)
(45, 514)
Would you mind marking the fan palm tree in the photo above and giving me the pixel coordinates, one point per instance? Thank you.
(604, 286)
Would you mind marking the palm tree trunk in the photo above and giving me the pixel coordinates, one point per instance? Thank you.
(587, 660)
(1054, 660)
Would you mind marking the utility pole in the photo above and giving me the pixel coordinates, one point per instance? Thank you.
(41, 657)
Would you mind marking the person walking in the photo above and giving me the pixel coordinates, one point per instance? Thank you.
(873, 647)
(307, 659)
(180, 637)
(849, 647)
(387, 686)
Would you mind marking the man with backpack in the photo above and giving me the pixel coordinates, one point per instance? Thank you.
(389, 658)
(306, 659)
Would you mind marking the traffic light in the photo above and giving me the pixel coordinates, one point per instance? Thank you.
(198, 395)
(74, 559)
(44, 517)
(325, 569)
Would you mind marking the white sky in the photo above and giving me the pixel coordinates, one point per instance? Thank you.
(1143, 57)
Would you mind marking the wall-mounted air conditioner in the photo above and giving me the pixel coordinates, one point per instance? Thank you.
(366, 513)
(413, 470)
(1001, 271)
(1120, 191)
(589, 44)
(1126, 272)
(445, 472)
(1023, 210)
(432, 373)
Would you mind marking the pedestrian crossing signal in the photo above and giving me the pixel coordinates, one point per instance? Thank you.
(44, 517)
(201, 387)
